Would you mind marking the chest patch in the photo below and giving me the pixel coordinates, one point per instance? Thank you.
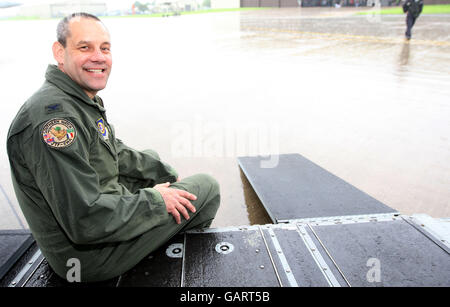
(102, 127)
(58, 133)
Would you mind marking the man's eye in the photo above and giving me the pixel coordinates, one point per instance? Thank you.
(84, 48)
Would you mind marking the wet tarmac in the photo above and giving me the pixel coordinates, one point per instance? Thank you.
(346, 91)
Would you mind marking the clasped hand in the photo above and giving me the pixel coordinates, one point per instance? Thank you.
(177, 201)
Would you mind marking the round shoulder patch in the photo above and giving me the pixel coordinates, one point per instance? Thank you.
(58, 133)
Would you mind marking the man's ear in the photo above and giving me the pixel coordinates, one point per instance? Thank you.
(58, 53)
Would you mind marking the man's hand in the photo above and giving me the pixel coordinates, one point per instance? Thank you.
(176, 201)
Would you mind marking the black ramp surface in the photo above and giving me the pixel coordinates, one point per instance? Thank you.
(13, 243)
(297, 188)
(406, 256)
(161, 268)
(156, 270)
(44, 276)
(247, 265)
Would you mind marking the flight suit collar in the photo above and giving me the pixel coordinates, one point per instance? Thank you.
(61, 80)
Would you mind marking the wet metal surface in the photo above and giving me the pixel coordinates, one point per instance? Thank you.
(422, 263)
(247, 265)
(305, 271)
(297, 189)
(345, 91)
(13, 243)
(374, 250)
(159, 269)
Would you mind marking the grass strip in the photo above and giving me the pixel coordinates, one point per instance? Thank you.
(427, 9)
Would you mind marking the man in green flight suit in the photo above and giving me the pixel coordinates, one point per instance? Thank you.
(84, 193)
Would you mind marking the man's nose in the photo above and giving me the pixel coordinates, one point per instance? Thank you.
(97, 56)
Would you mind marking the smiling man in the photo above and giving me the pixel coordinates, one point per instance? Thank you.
(85, 54)
(84, 193)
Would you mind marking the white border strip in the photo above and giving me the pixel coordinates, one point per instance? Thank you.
(182, 261)
(283, 260)
(26, 269)
(223, 229)
(323, 266)
(270, 256)
(440, 229)
(347, 219)
(329, 255)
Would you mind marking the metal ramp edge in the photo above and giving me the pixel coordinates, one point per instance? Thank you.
(297, 188)
(320, 253)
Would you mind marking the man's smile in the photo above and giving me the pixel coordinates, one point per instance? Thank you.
(95, 70)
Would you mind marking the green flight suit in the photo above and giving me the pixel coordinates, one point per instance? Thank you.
(84, 193)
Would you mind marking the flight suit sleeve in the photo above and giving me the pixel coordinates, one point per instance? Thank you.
(71, 187)
(143, 165)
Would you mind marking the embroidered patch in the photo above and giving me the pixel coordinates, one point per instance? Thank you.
(102, 127)
(58, 133)
(52, 108)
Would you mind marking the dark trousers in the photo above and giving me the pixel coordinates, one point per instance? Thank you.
(109, 260)
(410, 20)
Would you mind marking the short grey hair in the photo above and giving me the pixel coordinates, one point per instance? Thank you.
(62, 31)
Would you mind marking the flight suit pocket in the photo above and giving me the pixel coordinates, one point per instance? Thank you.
(109, 148)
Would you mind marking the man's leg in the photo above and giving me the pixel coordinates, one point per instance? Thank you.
(127, 254)
(208, 193)
(207, 203)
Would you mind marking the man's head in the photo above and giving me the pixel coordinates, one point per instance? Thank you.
(83, 51)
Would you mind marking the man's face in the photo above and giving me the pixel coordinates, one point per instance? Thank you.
(87, 56)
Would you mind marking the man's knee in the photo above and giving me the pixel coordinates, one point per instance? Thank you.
(152, 153)
(209, 184)
(209, 201)
(204, 186)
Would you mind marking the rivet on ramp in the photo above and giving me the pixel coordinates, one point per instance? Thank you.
(224, 248)
(175, 250)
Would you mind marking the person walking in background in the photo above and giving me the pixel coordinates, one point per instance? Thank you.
(412, 8)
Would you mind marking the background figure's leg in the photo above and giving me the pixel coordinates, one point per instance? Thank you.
(409, 24)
